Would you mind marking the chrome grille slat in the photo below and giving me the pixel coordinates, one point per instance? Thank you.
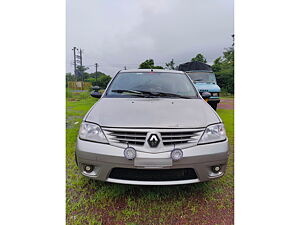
(179, 140)
(128, 139)
(179, 136)
(128, 135)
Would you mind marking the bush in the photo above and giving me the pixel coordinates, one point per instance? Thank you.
(224, 70)
(225, 79)
(102, 81)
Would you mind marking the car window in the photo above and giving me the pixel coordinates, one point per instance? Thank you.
(202, 77)
(154, 82)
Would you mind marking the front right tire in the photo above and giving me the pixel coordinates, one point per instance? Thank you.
(213, 105)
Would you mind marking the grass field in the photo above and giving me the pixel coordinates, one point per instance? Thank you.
(94, 202)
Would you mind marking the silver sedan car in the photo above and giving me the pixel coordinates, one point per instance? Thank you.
(152, 127)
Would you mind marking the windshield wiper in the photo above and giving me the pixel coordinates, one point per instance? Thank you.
(149, 93)
(165, 94)
(198, 79)
(161, 94)
(135, 92)
(128, 91)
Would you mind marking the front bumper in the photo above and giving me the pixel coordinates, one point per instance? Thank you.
(214, 100)
(105, 157)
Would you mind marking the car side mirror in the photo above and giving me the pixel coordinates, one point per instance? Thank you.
(95, 93)
(206, 95)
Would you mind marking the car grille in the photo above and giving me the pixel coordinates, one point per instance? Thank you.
(137, 138)
(153, 174)
(126, 136)
(173, 138)
(203, 90)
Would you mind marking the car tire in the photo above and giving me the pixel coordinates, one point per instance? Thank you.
(213, 105)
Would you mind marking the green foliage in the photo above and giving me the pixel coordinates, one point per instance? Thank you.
(99, 74)
(170, 65)
(149, 64)
(224, 70)
(82, 68)
(102, 81)
(69, 77)
(199, 58)
(81, 74)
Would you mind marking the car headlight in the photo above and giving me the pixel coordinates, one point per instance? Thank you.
(215, 94)
(213, 133)
(91, 132)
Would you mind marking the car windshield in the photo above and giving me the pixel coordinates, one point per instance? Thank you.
(151, 84)
(202, 77)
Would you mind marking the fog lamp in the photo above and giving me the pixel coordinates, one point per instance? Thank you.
(216, 169)
(176, 154)
(129, 153)
(88, 168)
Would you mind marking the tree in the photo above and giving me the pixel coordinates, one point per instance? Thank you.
(199, 58)
(224, 70)
(69, 77)
(93, 75)
(149, 64)
(80, 72)
(216, 67)
(170, 65)
(103, 81)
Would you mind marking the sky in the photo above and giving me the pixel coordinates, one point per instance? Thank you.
(122, 33)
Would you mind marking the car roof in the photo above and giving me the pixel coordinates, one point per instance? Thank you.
(150, 70)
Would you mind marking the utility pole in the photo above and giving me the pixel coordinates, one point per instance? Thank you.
(82, 72)
(80, 57)
(96, 70)
(74, 49)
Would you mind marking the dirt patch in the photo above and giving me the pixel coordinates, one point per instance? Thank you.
(226, 104)
(73, 99)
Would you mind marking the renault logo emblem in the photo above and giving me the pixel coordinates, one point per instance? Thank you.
(153, 140)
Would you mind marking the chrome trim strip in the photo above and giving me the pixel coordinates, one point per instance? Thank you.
(119, 181)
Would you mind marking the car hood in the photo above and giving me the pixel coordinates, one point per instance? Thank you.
(202, 87)
(152, 113)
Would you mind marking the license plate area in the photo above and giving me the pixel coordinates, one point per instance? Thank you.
(153, 163)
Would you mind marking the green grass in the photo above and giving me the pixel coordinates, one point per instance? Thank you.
(94, 202)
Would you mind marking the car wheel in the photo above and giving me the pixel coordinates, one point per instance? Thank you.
(213, 105)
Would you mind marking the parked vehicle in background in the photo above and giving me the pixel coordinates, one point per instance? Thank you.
(151, 127)
(204, 80)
